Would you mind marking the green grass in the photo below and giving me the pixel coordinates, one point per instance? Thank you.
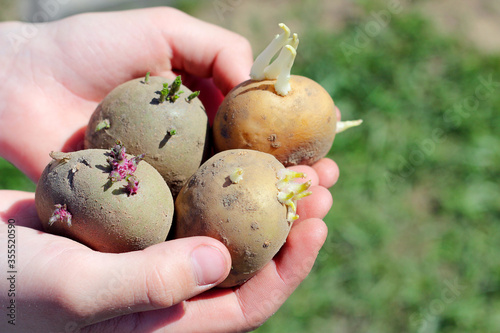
(13, 179)
(413, 233)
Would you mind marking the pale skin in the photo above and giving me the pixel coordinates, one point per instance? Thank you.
(51, 85)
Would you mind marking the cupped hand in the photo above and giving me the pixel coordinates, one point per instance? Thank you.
(56, 80)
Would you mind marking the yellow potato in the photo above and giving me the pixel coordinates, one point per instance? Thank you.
(298, 128)
(246, 199)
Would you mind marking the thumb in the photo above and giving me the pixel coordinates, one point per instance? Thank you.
(157, 277)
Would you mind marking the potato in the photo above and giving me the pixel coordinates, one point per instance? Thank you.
(76, 197)
(291, 117)
(245, 199)
(173, 133)
(298, 128)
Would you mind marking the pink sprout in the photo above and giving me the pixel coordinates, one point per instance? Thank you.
(60, 214)
(124, 168)
(132, 186)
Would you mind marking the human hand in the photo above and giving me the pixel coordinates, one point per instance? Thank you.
(64, 73)
(63, 286)
(54, 81)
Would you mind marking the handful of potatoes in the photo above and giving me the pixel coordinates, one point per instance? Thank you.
(147, 154)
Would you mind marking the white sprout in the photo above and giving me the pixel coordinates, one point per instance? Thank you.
(276, 67)
(263, 59)
(343, 125)
(286, 59)
(280, 68)
(294, 41)
(289, 191)
(236, 176)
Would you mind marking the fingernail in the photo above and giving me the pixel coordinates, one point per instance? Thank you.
(209, 264)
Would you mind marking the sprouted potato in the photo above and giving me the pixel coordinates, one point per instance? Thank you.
(105, 199)
(156, 116)
(289, 116)
(245, 199)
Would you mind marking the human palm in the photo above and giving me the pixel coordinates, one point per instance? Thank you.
(55, 81)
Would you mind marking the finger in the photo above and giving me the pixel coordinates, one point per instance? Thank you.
(19, 206)
(316, 205)
(158, 277)
(327, 171)
(210, 95)
(281, 277)
(256, 300)
(130, 43)
(339, 115)
(309, 174)
(207, 50)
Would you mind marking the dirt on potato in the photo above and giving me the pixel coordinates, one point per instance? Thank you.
(173, 135)
(298, 128)
(104, 216)
(245, 215)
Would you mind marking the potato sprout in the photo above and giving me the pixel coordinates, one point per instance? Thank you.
(236, 176)
(281, 67)
(263, 59)
(343, 125)
(289, 116)
(60, 214)
(289, 191)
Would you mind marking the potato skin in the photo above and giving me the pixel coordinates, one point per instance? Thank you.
(247, 216)
(104, 218)
(298, 128)
(141, 123)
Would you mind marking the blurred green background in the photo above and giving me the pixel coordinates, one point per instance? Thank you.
(414, 233)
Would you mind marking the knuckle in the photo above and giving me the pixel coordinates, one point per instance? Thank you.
(70, 300)
(242, 43)
(161, 291)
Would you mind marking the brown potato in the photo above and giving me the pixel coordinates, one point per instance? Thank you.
(173, 135)
(298, 128)
(237, 198)
(75, 198)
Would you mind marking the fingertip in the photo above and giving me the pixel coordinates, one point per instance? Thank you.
(233, 63)
(210, 265)
(337, 111)
(316, 205)
(301, 249)
(210, 259)
(328, 172)
(309, 174)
